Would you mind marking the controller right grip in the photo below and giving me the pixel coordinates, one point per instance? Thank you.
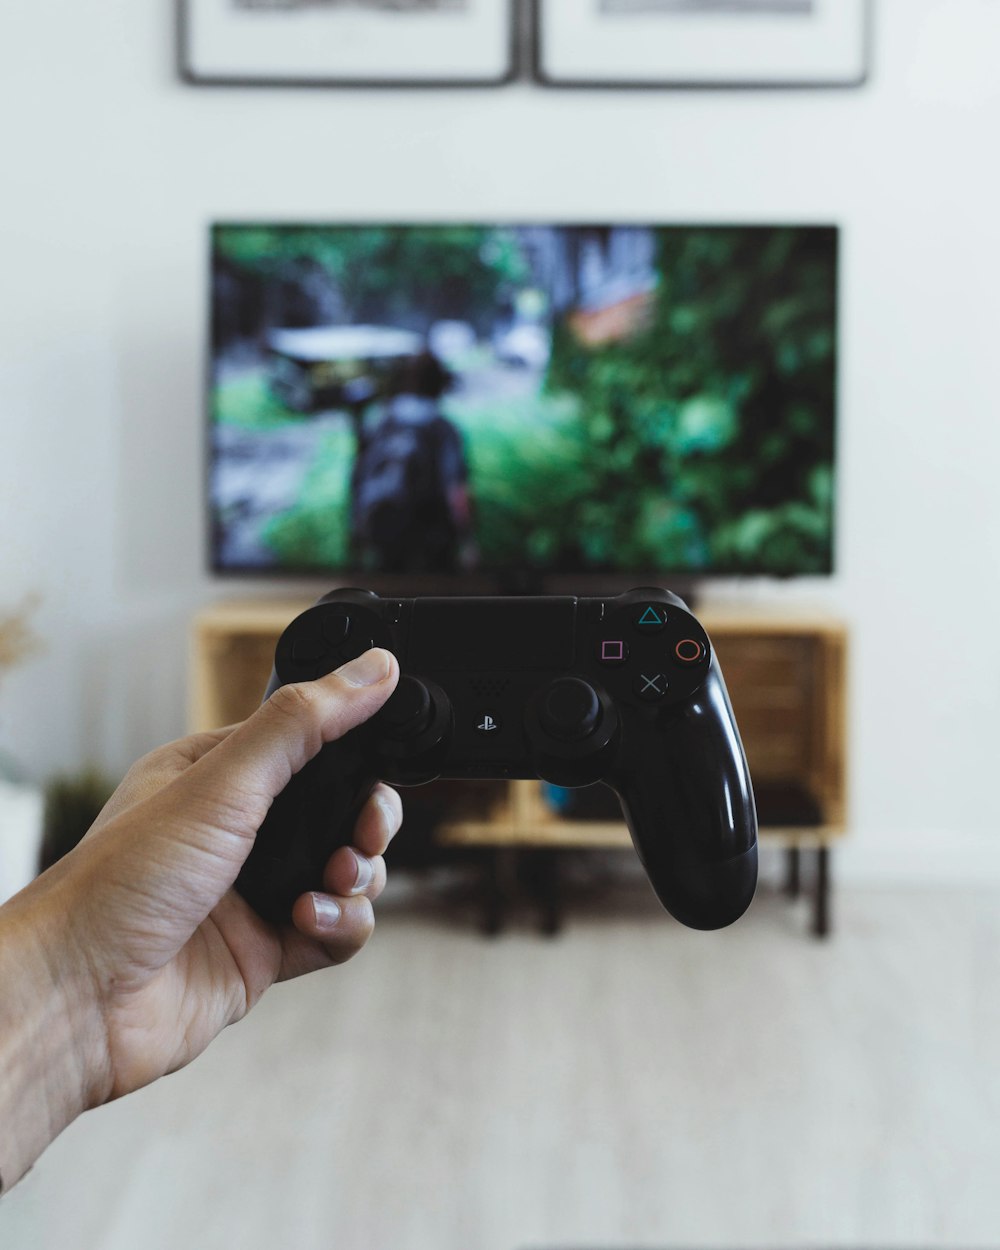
(691, 811)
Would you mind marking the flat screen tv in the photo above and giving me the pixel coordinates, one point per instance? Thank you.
(522, 400)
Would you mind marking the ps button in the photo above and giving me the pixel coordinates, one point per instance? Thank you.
(649, 618)
(612, 651)
(689, 651)
(336, 627)
(650, 687)
(487, 724)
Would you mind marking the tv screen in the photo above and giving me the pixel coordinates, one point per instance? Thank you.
(546, 399)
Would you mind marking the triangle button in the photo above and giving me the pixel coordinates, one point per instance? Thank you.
(651, 619)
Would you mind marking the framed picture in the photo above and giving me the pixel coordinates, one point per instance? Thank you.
(702, 43)
(327, 43)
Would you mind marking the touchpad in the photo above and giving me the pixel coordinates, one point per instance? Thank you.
(491, 635)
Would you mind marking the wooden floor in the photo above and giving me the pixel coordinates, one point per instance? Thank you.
(628, 1084)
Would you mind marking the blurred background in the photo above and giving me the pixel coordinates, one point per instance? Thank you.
(625, 1082)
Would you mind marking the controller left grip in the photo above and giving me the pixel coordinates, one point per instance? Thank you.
(313, 816)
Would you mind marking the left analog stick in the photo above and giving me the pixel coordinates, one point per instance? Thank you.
(408, 711)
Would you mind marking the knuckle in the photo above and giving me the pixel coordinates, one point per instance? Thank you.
(198, 744)
(296, 701)
(151, 762)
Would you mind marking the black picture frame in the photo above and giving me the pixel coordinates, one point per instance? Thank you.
(189, 73)
(544, 78)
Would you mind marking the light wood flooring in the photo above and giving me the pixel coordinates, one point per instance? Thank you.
(627, 1084)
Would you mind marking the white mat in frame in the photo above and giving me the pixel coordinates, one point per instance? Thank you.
(347, 42)
(703, 42)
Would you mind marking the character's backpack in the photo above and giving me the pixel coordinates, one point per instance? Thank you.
(396, 480)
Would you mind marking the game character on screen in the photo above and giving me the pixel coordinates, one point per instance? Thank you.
(411, 509)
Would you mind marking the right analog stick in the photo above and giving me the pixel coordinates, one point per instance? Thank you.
(569, 710)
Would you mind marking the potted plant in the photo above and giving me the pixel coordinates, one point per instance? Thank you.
(21, 803)
(73, 802)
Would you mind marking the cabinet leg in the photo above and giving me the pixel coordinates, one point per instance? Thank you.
(548, 892)
(821, 919)
(793, 872)
(494, 899)
(539, 874)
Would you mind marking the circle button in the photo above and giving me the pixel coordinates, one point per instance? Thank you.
(689, 651)
(569, 710)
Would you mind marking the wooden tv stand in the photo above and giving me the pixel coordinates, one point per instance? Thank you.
(786, 673)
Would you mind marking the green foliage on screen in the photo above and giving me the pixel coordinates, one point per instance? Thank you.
(384, 272)
(707, 439)
(314, 534)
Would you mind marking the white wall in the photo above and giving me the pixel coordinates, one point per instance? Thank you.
(110, 169)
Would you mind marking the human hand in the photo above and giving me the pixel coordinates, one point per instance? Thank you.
(137, 933)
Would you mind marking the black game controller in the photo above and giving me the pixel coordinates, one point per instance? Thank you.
(624, 690)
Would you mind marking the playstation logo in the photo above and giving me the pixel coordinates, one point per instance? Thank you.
(488, 724)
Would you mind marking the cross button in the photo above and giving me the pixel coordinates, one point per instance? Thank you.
(650, 686)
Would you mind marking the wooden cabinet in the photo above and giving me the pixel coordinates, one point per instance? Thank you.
(231, 658)
(787, 680)
(786, 675)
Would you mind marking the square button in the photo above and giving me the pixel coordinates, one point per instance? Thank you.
(613, 651)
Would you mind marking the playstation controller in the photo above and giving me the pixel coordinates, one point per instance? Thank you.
(624, 690)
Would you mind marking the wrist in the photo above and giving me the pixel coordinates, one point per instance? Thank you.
(52, 1053)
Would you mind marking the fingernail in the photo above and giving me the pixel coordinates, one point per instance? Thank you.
(390, 817)
(326, 912)
(365, 874)
(367, 669)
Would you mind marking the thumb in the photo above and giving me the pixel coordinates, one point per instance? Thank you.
(195, 833)
(243, 774)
